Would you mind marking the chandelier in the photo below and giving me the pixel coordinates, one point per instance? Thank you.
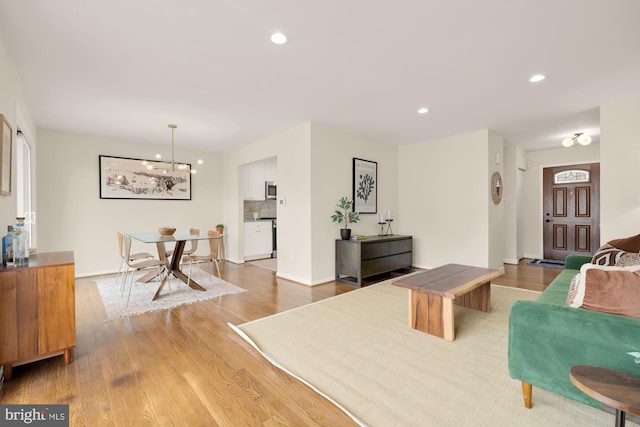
(582, 139)
(174, 165)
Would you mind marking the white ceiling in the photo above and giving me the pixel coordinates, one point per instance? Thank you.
(127, 68)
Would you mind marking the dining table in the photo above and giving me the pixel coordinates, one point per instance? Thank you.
(172, 264)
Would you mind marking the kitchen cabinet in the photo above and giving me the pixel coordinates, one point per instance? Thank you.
(258, 241)
(254, 176)
(271, 169)
(37, 310)
(254, 179)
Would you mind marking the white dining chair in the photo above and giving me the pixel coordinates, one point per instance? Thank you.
(134, 266)
(132, 257)
(194, 244)
(212, 257)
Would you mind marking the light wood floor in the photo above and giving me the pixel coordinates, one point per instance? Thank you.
(185, 366)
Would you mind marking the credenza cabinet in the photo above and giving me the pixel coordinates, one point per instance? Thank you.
(37, 310)
(358, 259)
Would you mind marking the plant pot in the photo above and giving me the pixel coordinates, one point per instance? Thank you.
(220, 230)
(345, 233)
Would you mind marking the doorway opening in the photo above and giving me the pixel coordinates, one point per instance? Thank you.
(571, 210)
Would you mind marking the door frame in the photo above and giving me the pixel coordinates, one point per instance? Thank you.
(540, 209)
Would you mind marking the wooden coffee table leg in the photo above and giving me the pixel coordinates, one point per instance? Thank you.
(433, 314)
(447, 319)
(477, 299)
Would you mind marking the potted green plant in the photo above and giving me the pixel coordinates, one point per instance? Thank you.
(220, 228)
(348, 217)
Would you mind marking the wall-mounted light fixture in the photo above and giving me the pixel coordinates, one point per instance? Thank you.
(582, 139)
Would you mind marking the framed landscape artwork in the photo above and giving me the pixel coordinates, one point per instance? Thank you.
(5, 156)
(125, 178)
(365, 186)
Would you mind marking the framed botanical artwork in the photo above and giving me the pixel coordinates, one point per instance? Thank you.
(5, 156)
(126, 178)
(365, 186)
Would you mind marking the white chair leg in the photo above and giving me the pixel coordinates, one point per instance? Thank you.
(123, 282)
(130, 286)
(189, 276)
(217, 268)
(119, 275)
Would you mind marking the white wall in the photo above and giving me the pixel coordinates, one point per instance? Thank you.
(443, 190)
(14, 107)
(510, 205)
(537, 161)
(314, 170)
(71, 215)
(619, 170)
(497, 231)
(332, 153)
(292, 150)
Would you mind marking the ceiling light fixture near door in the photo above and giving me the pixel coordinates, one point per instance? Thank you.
(581, 137)
(423, 110)
(537, 78)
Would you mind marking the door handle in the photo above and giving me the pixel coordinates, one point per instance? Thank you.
(548, 220)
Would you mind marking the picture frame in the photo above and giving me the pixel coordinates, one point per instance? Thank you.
(365, 186)
(6, 155)
(130, 178)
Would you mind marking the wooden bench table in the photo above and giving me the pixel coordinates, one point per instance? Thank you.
(433, 293)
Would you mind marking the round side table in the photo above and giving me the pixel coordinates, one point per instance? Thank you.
(613, 388)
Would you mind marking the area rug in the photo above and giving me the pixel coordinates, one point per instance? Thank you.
(546, 263)
(141, 294)
(357, 350)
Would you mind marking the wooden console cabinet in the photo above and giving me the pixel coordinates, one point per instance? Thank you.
(358, 259)
(37, 310)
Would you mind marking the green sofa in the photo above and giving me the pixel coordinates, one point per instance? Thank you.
(547, 338)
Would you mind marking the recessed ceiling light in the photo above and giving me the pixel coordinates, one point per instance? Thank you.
(279, 38)
(200, 161)
(537, 78)
(423, 110)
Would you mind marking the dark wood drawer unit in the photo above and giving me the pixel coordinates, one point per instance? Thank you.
(358, 259)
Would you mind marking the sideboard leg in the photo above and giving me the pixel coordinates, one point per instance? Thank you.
(8, 371)
(67, 356)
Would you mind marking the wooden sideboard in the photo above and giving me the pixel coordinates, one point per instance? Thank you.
(358, 259)
(37, 310)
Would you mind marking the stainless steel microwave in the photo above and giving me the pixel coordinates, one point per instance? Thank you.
(270, 190)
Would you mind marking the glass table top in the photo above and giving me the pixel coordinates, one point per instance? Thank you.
(155, 237)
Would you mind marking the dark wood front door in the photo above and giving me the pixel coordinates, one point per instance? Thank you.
(571, 216)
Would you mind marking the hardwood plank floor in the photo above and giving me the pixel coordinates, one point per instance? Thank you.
(186, 366)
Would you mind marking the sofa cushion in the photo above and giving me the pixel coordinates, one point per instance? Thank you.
(556, 292)
(613, 290)
(629, 244)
